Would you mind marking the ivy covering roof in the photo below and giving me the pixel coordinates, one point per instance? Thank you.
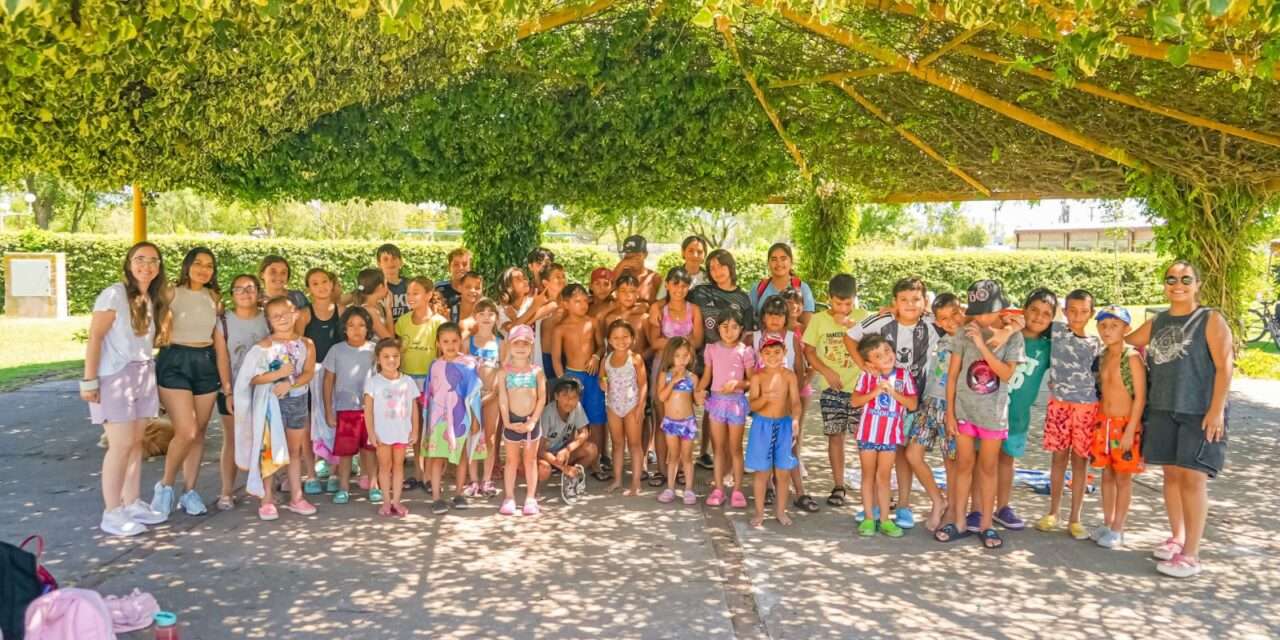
(643, 103)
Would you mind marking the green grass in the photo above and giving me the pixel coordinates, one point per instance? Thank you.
(36, 350)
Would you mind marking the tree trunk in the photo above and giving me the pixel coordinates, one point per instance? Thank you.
(500, 233)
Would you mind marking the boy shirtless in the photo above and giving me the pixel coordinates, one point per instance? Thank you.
(1123, 378)
(470, 293)
(601, 291)
(775, 406)
(627, 306)
(575, 353)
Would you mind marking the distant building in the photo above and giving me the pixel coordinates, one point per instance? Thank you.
(1090, 236)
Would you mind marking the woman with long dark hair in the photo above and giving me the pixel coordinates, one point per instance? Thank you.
(192, 367)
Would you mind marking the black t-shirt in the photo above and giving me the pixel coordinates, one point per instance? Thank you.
(451, 297)
(716, 302)
(399, 298)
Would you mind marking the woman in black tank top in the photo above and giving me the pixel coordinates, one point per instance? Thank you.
(1189, 352)
(324, 332)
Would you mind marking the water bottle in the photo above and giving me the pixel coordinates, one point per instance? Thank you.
(166, 625)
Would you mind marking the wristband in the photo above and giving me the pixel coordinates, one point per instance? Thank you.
(89, 385)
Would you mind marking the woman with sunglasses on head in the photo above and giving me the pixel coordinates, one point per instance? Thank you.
(1189, 353)
(191, 368)
(120, 384)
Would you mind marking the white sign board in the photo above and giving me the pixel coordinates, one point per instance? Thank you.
(31, 278)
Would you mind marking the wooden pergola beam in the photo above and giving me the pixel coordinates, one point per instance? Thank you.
(914, 139)
(966, 196)
(857, 43)
(1122, 98)
(837, 76)
(725, 26)
(560, 17)
(951, 44)
(1140, 47)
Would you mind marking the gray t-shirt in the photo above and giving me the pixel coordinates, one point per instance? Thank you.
(242, 335)
(981, 397)
(558, 431)
(350, 366)
(936, 368)
(1071, 376)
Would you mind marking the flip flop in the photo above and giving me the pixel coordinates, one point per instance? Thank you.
(949, 533)
(991, 539)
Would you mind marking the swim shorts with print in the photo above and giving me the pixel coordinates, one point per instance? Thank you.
(685, 428)
(838, 413)
(1069, 426)
(729, 408)
(930, 427)
(1106, 451)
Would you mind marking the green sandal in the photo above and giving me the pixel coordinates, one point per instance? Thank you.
(867, 528)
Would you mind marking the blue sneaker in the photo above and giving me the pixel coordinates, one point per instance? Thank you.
(904, 517)
(341, 497)
(1006, 518)
(312, 487)
(973, 522)
(375, 496)
(162, 500)
(322, 469)
(862, 515)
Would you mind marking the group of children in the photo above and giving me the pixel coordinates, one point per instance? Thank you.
(552, 376)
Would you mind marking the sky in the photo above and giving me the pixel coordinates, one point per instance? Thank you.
(1001, 218)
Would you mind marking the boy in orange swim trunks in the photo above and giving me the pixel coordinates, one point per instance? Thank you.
(1122, 378)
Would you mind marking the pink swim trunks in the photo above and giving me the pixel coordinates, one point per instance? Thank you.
(972, 430)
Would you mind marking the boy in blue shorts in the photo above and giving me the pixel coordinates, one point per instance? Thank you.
(575, 352)
(775, 407)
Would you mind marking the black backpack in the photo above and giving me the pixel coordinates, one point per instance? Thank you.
(18, 587)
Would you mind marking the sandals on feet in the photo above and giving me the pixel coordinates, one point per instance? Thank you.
(949, 533)
(807, 503)
(657, 479)
(411, 483)
(601, 476)
(991, 539)
(836, 499)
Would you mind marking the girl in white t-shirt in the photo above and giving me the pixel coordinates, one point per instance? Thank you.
(389, 411)
(120, 384)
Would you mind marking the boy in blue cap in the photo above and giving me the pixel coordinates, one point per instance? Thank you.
(1122, 380)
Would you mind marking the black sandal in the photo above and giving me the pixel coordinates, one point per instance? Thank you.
(991, 539)
(807, 503)
(768, 497)
(949, 533)
(601, 476)
(410, 484)
(657, 479)
(836, 499)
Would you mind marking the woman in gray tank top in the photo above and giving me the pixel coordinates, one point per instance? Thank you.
(1189, 352)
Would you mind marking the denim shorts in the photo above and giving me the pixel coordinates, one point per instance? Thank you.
(295, 411)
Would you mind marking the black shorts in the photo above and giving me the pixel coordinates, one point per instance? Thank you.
(192, 368)
(1178, 439)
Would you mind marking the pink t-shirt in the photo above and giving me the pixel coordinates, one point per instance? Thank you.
(728, 363)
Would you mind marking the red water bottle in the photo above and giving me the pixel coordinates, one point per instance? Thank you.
(166, 625)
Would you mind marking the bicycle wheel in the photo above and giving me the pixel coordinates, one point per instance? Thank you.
(1255, 326)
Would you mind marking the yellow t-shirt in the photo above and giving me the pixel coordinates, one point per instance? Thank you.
(826, 336)
(417, 343)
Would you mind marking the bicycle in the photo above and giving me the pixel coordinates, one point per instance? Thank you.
(1261, 321)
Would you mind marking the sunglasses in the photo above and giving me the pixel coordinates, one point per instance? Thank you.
(1172, 280)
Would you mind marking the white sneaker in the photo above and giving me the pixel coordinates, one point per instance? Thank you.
(162, 500)
(117, 523)
(1111, 539)
(1099, 532)
(142, 513)
(192, 503)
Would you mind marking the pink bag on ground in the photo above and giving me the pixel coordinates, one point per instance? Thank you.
(132, 612)
(69, 614)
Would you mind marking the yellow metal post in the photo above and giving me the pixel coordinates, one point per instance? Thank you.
(139, 215)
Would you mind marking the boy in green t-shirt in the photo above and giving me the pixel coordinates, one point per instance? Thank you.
(825, 350)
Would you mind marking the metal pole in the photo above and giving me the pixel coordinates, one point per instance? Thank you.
(139, 215)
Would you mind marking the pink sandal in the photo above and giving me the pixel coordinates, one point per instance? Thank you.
(1167, 550)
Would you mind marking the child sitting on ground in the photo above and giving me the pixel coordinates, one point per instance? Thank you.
(389, 410)
(886, 392)
(567, 445)
(775, 406)
(1122, 377)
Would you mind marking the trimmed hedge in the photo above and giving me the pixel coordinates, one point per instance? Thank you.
(94, 261)
(1131, 278)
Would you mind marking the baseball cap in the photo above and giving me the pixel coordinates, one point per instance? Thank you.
(986, 296)
(634, 244)
(771, 342)
(601, 273)
(520, 332)
(1112, 311)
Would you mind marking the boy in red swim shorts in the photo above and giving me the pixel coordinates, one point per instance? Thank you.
(1122, 378)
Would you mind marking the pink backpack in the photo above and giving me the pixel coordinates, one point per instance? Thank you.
(69, 614)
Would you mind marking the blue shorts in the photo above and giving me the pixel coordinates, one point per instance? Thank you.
(592, 396)
(769, 444)
(683, 428)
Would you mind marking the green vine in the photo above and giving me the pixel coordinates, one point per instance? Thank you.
(823, 228)
(500, 233)
(1218, 229)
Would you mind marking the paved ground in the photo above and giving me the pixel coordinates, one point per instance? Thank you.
(616, 567)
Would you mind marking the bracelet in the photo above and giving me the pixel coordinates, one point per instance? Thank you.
(89, 385)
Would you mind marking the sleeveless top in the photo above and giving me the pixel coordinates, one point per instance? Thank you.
(684, 384)
(1182, 369)
(194, 315)
(622, 382)
(324, 333)
(486, 354)
(522, 380)
(673, 328)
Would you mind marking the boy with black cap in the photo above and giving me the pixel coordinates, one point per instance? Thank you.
(978, 408)
(634, 252)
